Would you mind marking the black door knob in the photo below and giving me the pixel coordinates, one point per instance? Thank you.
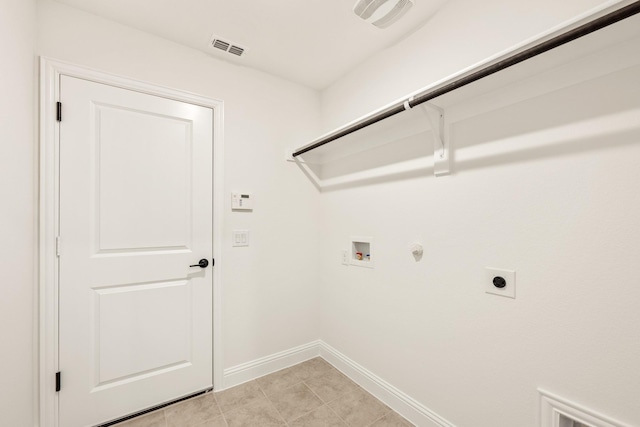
(203, 263)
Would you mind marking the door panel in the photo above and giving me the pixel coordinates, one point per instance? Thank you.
(143, 159)
(129, 345)
(135, 213)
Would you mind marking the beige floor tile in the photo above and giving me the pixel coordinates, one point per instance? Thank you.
(259, 413)
(331, 385)
(278, 381)
(216, 422)
(153, 419)
(238, 396)
(311, 368)
(295, 401)
(392, 420)
(321, 417)
(311, 394)
(192, 412)
(359, 409)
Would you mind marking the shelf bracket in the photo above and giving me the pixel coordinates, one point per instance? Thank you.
(288, 156)
(441, 157)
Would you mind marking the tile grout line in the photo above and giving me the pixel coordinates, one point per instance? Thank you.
(333, 400)
(212, 393)
(319, 398)
(224, 420)
(377, 419)
(230, 411)
(270, 401)
(327, 403)
(345, 394)
(342, 395)
(164, 417)
(303, 381)
(390, 410)
(338, 415)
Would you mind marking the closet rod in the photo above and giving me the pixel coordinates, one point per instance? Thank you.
(583, 30)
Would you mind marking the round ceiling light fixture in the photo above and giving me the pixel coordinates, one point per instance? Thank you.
(382, 13)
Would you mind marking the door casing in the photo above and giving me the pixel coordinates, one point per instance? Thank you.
(50, 72)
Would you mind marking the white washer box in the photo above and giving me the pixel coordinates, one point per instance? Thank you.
(362, 245)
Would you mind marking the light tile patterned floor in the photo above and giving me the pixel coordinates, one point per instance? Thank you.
(311, 394)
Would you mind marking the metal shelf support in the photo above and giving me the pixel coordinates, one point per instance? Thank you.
(441, 149)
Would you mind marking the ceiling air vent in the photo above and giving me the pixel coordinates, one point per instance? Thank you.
(236, 50)
(226, 46)
(219, 44)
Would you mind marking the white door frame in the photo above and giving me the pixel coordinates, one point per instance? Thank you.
(50, 72)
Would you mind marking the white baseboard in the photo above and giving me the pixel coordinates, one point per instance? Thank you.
(400, 402)
(248, 371)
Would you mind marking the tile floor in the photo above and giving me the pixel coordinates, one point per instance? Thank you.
(312, 394)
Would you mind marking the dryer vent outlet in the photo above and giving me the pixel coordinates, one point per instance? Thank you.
(382, 13)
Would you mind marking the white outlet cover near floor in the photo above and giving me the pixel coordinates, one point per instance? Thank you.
(509, 276)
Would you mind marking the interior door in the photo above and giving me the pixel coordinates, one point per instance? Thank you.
(135, 217)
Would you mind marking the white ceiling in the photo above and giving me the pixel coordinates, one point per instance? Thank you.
(312, 42)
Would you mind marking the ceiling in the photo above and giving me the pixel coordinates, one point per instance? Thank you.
(312, 42)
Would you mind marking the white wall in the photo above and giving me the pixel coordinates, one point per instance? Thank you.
(269, 300)
(17, 192)
(545, 185)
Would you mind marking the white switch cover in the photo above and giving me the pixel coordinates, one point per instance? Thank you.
(241, 201)
(345, 257)
(240, 238)
(509, 290)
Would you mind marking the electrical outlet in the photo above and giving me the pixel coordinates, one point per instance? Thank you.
(500, 282)
(345, 257)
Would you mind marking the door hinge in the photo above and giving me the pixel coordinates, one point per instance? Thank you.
(58, 246)
(59, 111)
(58, 384)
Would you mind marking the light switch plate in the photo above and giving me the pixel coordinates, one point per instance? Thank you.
(240, 238)
(509, 290)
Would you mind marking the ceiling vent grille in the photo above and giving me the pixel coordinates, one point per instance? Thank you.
(226, 46)
(219, 44)
(236, 50)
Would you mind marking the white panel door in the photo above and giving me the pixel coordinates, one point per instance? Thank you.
(135, 212)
